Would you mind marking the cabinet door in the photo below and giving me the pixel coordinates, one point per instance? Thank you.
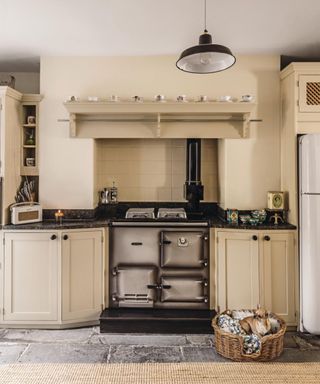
(278, 274)
(31, 276)
(82, 275)
(309, 93)
(237, 270)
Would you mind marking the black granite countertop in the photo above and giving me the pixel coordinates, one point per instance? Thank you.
(53, 225)
(213, 222)
(104, 216)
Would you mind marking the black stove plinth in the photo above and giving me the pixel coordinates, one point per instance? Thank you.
(147, 320)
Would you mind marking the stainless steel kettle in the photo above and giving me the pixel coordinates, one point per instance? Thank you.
(104, 196)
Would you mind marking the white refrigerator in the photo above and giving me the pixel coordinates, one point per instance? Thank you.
(309, 206)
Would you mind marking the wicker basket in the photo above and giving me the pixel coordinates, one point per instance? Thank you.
(231, 346)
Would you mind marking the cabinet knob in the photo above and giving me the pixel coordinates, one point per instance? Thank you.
(53, 237)
(255, 237)
(65, 237)
(267, 238)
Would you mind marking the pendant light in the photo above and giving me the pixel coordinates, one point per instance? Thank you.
(205, 57)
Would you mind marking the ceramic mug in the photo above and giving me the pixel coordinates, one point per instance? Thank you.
(202, 98)
(114, 98)
(137, 99)
(159, 98)
(182, 98)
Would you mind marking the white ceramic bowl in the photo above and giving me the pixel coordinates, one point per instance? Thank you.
(225, 98)
(247, 98)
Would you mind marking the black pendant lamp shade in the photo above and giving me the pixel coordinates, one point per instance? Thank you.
(205, 57)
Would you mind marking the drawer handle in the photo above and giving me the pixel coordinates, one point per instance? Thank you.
(165, 286)
(255, 237)
(53, 237)
(204, 262)
(267, 238)
(65, 237)
(136, 243)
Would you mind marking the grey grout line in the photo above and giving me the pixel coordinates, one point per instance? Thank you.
(109, 355)
(182, 354)
(23, 352)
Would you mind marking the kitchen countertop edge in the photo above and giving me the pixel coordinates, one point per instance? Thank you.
(101, 223)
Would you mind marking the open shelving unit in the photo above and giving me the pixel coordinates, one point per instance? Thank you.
(159, 119)
(30, 134)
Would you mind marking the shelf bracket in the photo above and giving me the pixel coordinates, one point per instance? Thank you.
(73, 129)
(158, 125)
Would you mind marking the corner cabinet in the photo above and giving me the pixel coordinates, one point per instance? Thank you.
(257, 268)
(53, 278)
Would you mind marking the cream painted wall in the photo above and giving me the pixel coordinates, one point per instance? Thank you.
(67, 166)
(153, 170)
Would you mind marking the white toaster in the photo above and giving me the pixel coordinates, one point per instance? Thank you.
(23, 213)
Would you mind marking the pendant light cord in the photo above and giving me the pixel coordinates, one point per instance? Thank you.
(205, 16)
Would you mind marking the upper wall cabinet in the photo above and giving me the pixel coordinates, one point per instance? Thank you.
(159, 119)
(300, 83)
(309, 93)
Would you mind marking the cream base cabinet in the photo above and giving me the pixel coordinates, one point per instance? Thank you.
(237, 270)
(257, 268)
(278, 274)
(82, 267)
(31, 277)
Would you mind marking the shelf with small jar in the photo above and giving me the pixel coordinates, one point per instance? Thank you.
(30, 133)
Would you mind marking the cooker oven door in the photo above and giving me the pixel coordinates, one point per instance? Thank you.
(183, 289)
(135, 286)
(183, 249)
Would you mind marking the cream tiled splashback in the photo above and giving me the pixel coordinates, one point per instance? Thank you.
(152, 170)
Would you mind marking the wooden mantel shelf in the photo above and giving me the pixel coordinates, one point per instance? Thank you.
(159, 119)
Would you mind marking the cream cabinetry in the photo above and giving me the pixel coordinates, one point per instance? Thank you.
(257, 268)
(81, 275)
(52, 278)
(278, 274)
(31, 277)
(237, 270)
(10, 104)
(30, 135)
(309, 93)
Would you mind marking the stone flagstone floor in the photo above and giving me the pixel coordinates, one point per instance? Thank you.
(87, 345)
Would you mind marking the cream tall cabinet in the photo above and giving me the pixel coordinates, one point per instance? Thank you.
(300, 114)
(257, 268)
(52, 278)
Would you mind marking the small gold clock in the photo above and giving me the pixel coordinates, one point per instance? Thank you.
(276, 200)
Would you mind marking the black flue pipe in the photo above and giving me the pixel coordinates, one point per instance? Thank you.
(193, 188)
